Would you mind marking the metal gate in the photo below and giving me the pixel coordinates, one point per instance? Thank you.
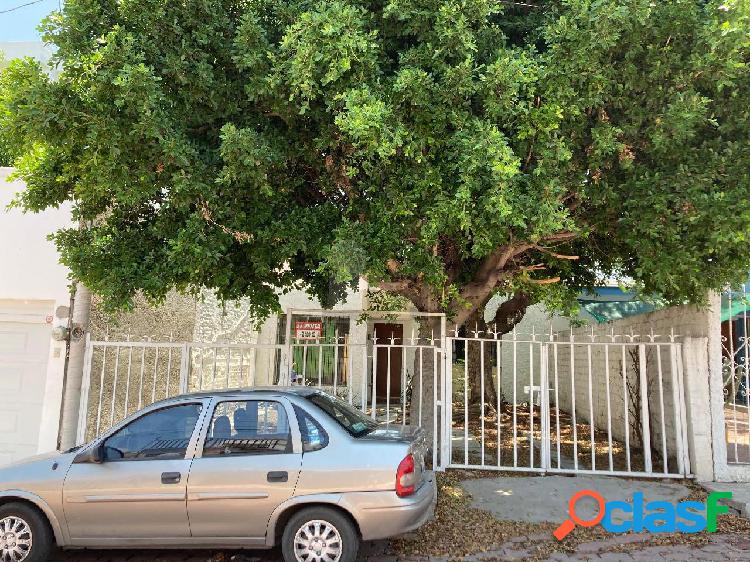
(736, 374)
(599, 404)
(540, 403)
(375, 374)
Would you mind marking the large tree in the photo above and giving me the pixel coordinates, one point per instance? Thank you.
(447, 150)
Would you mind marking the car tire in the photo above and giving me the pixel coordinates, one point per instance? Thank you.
(23, 523)
(336, 533)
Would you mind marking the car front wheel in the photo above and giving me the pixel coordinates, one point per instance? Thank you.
(320, 534)
(24, 534)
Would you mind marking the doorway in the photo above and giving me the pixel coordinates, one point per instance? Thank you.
(387, 333)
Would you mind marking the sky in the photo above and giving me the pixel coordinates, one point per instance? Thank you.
(21, 24)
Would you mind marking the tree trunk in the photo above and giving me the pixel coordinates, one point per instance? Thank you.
(508, 315)
(73, 376)
(474, 356)
(429, 386)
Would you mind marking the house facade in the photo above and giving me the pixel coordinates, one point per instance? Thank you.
(34, 300)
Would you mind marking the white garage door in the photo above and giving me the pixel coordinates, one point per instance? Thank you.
(24, 355)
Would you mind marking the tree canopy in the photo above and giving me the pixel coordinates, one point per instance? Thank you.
(446, 150)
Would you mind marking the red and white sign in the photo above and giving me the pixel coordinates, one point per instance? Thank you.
(304, 330)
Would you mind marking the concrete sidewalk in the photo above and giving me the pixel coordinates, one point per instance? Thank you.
(540, 499)
(740, 494)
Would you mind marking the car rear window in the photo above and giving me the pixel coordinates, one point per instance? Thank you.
(352, 420)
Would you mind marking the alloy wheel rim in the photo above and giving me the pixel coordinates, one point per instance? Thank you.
(317, 541)
(16, 539)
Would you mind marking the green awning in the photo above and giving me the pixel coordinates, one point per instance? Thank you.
(615, 310)
(740, 305)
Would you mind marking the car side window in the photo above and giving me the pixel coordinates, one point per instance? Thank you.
(158, 435)
(314, 437)
(248, 427)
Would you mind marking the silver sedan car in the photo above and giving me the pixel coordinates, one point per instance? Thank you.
(236, 469)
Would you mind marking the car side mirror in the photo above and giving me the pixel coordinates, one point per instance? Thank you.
(93, 455)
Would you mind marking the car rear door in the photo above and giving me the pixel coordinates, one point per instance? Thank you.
(139, 491)
(248, 465)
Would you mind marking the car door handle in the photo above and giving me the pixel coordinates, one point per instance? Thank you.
(170, 477)
(278, 476)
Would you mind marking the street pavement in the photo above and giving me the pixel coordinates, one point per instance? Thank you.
(625, 548)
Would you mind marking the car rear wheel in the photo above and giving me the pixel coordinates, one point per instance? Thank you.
(24, 534)
(320, 534)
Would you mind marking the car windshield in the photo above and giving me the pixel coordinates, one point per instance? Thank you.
(351, 419)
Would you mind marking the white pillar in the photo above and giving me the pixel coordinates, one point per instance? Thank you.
(698, 407)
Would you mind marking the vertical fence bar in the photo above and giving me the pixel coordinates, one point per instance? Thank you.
(531, 405)
(251, 370)
(156, 374)
(676, 408)
(609, 407)
(350, 371)
(242, 369)
(101, 391)
(127, 382)
(402, 347)
(304, 364)
(374, 387)
(481, 384)
(446, 402)
(202, 353)
(227, 366)
(498, 389)
(466, 401)
(645, 421)
(213, 370)
(626, 405)
(403, 385)
(169, 369)
(83, 408)
(573, 400)
(289, 350)
(544, 385)
(665, 458)
(114, 387)
(388, 388)
(421, 386)
(363, 390)
(336, 364)
(185, 357)
(557, 407)
(443, 369)
(515, 401)
(320, 365)
(591, 409)
(435, 382)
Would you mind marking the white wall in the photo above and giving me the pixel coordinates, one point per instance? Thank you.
(694, 329)
(32, 279)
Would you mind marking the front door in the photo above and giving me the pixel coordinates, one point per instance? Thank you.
(248, 467)
(139, 491)
(390, 359)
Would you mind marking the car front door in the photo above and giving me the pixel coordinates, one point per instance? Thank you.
(138, 491)
(248, 465)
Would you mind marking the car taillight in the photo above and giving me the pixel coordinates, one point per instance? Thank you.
(406, 477)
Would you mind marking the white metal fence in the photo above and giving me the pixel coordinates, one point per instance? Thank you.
(736, 375)
(514, 402)
(377, 376)
(553, 404)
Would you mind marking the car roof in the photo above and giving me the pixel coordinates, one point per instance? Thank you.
(249, 391)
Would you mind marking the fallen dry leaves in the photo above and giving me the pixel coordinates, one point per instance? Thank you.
(459, 529)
